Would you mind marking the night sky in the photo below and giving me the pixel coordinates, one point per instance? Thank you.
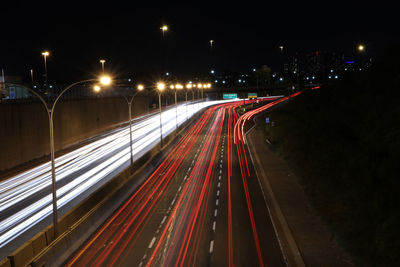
(247, 34)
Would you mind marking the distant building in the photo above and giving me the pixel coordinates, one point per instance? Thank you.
(10, 89)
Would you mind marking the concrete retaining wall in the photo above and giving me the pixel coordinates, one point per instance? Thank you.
(24, 127)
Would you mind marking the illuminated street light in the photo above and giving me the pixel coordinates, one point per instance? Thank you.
(281, 48)
(160, 87)
(45, 54)
(176, 87)
(164, 28)
(140, 87)
(50, 112)
(96, 88)
(102, 61)
(361, 48)
(105, 80)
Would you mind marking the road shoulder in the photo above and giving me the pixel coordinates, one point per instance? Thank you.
(303, 238)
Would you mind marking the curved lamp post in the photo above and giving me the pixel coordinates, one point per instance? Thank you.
(105, 80)
(129, 102)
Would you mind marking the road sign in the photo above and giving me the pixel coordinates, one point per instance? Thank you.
(229, 96)
(252, 95)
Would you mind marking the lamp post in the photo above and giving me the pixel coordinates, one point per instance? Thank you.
(177, 87)
(188, 86)
(50, 112)
(102, 61)
(129, 102)
(164, 28)
(31, 73)
(160, 88)
(45, 54)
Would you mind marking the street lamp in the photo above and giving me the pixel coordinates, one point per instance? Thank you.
(140, 87)
(200, 88)
(211, 44)
(164, 28)
(45, 54)
(361, 47)
(177, 87)
(50, 113)
(160, 88)
(31, 72)
(102, 61)
(188, 86)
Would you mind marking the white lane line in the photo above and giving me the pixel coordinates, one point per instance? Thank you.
(214, 225)
(211, 246)
(180, 188)
(185, 178)
(163, 220)
(219, 178)
(220, 165)
(220, 171)
(152, 242)
(140, 264)
(219, 184)
(173, 201)
(144, 256)
(215, 212)
(217, 202)
(217, 193)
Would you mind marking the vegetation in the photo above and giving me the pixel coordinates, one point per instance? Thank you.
(343, 142)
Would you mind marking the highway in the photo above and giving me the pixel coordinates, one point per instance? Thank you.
(202, 206)
(26, 200)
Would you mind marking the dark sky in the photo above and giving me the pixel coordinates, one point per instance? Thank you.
(247, 34)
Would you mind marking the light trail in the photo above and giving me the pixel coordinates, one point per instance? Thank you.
(92, 164)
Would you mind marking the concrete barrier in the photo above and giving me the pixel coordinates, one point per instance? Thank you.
(22, 256)
(5, 262)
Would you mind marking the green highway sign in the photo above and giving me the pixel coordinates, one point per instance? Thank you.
(230, 96)
(252, 95)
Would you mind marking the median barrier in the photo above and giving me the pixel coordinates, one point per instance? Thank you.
(5, 262)
(22, 256)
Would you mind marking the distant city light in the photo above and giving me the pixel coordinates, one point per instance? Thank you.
(313, 77)
(224, 82)
(281, 79)
(216, 81)
(329, 76)
(349, 62)
(254, 69)
(212, 71)
(361, 47)
(331, 71)
(167, 73)
(51, 86)
(240, 81)
(336, 76)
